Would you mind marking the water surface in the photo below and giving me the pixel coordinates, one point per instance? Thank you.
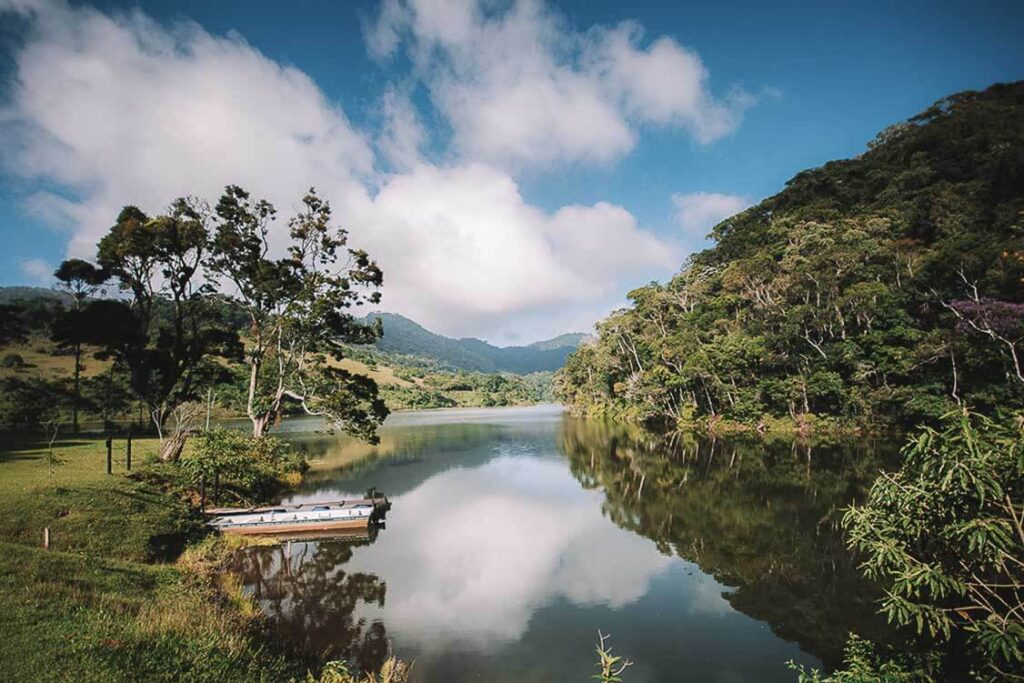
(517, 533)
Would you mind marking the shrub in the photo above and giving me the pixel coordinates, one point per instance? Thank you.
(254, 468)
(863, 663)
(12, 360)
(945, 536)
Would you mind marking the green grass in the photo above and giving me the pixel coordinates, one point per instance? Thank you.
(105, 603)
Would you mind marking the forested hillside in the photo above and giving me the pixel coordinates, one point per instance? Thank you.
(403, 336)
(881, 290)
(37, 370)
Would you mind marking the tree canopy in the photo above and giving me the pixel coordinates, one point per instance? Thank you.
(884, 289)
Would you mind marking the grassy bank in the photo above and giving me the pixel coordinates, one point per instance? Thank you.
(107, 602)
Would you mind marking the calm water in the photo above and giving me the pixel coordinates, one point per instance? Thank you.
(517, 533)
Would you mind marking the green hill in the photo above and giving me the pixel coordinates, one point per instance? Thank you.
(403, 336)
(12, 293)
(882, 289)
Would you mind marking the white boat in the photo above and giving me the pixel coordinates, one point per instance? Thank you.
(302, 518)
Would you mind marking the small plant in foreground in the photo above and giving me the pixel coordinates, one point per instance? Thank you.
(393, 671)
(611, 666)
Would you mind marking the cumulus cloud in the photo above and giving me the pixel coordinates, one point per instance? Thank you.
(520, 87)
(698, 212)
(38, 271)
(116, 108)
(121, 110)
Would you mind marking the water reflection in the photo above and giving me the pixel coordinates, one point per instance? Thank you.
(759, 516)
(498, 565)
(313, 599)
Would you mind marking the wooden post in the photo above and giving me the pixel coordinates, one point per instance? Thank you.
(110, 454)
(46, 538)
(128, 451)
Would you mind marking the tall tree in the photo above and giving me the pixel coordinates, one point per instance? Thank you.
(299, 312)
(160, 262)
(81, 280)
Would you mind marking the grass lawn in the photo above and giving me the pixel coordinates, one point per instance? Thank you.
(105, 603)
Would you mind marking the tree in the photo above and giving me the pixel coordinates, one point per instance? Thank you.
(174, 325)
(841, 298)
(298, 308)
(1001, 321)
(13, 327)
(80, 280)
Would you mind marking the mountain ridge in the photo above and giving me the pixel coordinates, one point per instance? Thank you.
(405, 336)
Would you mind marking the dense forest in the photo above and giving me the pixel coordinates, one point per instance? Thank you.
(882, 290)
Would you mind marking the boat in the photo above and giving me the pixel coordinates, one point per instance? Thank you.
(344, 516)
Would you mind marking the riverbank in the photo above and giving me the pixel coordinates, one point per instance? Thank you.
(111, 600)
(801, 427)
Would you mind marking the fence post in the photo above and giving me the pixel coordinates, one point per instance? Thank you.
(110, 454)
(128, 452)
(46, 538)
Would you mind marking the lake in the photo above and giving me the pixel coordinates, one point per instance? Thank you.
(517, 533)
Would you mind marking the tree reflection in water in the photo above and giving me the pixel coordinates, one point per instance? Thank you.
(312, 600)
(760, 516)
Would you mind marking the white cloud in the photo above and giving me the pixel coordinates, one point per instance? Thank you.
(402, 134)
(38, 271)
(520, 87)
(117, 109)
(664, 83)
(471, 241)
(698, 212)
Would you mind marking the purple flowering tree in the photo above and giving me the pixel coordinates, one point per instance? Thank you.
(1002, 321)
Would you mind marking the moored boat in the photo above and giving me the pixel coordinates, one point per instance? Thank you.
(303, 518)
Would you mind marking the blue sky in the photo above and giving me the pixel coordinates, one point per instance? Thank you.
(516, 167)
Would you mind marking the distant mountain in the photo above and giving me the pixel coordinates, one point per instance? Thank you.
(19, 293)
(570, 339)
(404, 336)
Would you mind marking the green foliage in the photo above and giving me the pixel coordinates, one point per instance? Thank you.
(170, 332)
(877, 291)
(298, 310)
(863, 663)
(27, 402)
(13, 326)
(254, 468)
(12, 361)
(945, 536)
(392, 671)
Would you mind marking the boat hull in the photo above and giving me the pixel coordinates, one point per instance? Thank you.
(297, 527)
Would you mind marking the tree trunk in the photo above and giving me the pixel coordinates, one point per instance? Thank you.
(258, 422)
(76, 392)
(259, 425)
(171, 448)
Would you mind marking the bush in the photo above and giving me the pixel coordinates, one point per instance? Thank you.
(12, 360)
(26, 403)
(254, 468)
(945, 537)
(863, 663)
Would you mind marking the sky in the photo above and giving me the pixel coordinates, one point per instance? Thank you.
(515, 166)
